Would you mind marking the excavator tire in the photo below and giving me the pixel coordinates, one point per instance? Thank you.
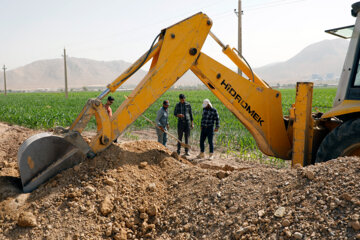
(342, 141)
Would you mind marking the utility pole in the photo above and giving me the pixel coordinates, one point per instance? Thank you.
(4, 68)
(239, 14)
(65, 71)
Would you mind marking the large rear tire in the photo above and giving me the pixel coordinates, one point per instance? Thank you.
(342, 141)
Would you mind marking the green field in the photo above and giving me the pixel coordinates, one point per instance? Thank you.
(47, 110)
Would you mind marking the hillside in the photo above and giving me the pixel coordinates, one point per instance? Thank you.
(320, 62)
(81, 72)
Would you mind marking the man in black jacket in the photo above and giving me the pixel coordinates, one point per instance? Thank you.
(185, 121)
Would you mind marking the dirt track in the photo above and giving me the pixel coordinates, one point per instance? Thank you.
(140, 190)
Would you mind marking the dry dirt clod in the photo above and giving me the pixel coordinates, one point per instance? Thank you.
(76, 168)
(152, 210)
(143, 216)
(121, 235)
(239, 233)
(187, 227)
(333, 205)
(287, 233)
(221, 174)
(26, 219)
(297, 235)
(261, 213)
(150, 227)
(106, 206)
(151, 187)
(129, 223)
(280, 212)
(286, 223)
(175, 155)
(109, 181)
(143, 165)
(109, 230)
(309, 174)
(142, 209)
(346, 196)
(298, 166)
(355, 225)
(90, 189)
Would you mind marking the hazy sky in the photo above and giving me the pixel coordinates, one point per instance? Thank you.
(273, 30)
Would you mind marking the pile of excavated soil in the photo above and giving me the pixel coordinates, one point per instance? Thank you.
(141, 190)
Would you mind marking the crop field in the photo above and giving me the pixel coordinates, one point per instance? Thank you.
(47, 110)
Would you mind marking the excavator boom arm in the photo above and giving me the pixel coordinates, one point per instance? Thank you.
(251, 100)
(178, 50)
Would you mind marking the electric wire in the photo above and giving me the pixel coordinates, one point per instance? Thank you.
(272, 4)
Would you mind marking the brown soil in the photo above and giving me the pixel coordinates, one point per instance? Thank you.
(141, 190)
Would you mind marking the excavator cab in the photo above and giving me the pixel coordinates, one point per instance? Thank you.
(343, 137)
(349, 84)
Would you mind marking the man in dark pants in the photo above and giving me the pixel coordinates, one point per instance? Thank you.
(185, 121)
(162, 123)
(209, 117)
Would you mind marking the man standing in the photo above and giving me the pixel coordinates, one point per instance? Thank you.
(209, 117)
(162, 123)
(185, 121)
(107, 105)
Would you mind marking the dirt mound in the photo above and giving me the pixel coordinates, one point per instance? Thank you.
(141, 190)
(317, 202)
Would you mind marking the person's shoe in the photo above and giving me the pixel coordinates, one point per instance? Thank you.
(178, 152)
(187, 154)
(211, 156)
(201, 155)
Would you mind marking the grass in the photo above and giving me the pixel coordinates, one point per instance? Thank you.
(47, 110)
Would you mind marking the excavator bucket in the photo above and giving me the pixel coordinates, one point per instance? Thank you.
(44, 155)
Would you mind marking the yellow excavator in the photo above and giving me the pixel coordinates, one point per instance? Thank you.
(303, 137)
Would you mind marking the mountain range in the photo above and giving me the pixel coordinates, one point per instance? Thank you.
(320, 62)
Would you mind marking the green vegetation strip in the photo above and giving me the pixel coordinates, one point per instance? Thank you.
(47, 110)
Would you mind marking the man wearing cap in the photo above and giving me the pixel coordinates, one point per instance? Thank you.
(185, 121)
(162, 122)
(210, 117)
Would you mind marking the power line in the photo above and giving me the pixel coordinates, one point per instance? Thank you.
(272, 4)
(146, 26)
(262, 4)
(222, 14)
(219, 15)
(256, 7)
